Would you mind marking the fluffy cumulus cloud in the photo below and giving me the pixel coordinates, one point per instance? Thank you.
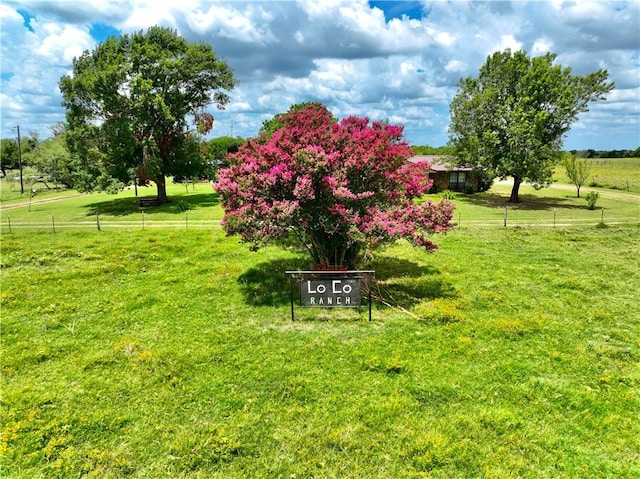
(397, 61)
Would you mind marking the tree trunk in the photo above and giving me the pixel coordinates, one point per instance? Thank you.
(578, 188)
(515, 190)
(162, 189)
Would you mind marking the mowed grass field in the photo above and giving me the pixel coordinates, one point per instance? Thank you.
(170, 352)
(507, 353)
(614, 173)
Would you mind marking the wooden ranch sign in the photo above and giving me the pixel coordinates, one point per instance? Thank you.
(329, 289)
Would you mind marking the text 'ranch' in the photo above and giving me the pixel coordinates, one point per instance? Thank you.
(330, 292)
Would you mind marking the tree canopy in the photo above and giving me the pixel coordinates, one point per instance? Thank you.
(51, 159)
(8, 155)
(338, 189)
(128, 104)
(512, 118)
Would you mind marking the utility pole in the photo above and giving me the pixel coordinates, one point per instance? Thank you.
(20, 161)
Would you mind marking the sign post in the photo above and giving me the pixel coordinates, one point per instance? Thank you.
(330, 289)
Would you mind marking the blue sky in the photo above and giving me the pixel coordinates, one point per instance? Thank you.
(410, 9)
(399, 61)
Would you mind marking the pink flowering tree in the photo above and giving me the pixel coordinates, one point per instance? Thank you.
(339, 189)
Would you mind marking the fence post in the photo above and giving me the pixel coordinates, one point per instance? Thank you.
(505, 217)
(53, 223)
(9, 221)
(98, 221)
(602, 216)
(554, 216)
(186, 219)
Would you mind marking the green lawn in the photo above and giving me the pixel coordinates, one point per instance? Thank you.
(538, 207)
(170, 353)
(84, 210)
(546, 207)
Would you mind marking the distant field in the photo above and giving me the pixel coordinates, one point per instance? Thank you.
(616, 173)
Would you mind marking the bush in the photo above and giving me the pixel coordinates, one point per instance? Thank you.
(592, 199)
(448, 195)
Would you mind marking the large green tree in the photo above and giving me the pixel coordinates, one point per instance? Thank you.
(129, 103)
(217, 149)
(52, 159)
(11, 156)
(512, 118)
(8, 155)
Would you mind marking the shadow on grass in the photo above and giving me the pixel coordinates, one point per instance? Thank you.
(398, 281)
(527, 202)
(127, 206)
(266, 284)
(404, 283)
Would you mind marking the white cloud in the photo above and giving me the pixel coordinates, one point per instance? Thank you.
(61, 44)
(508, 42)
(340, 52)
(454, 66)
(143, 17)
(227, 21)
(541, 46)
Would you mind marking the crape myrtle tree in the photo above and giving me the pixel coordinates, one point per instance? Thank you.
(129, 103)
(339, 189)
(512, 118)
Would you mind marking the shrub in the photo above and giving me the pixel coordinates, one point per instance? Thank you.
(592, 199)
(448, 195)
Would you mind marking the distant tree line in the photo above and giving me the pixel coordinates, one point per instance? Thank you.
(433, 150)
(606, 153)
(449, 151)
(50, 161)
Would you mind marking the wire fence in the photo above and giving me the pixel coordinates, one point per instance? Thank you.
(508, 218)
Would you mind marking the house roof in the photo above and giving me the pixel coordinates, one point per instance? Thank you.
(439, 163)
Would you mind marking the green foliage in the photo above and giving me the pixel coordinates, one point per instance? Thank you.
(8, 155)
(431, 150)
(592, 199)
(217, 150)
(52, 159)
(129, 100)
(511, 119)
(577, 169)
(449, 195)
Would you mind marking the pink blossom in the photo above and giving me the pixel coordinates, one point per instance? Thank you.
(340, 188)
